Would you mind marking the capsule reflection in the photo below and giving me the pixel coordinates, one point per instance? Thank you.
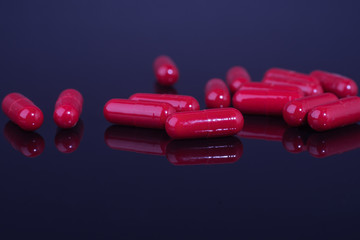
(295, 139)
(161, 89)
(68, 140)
(140, 140)
(204, 151)
(30, 144)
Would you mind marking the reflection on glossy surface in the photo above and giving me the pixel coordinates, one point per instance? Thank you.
(204, 151)
(30, 144)
(140, 140)
(164, 89)
(68, 140)
(263, 128)
(295, 139)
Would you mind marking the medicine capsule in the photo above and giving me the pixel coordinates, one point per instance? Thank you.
(339, 85)
(205, 123)
(217, 94)
(22, 111)
(235, 77)
(165, 70)
(343, 112)
(290, 75)
(68, 108)
(68, 140)
(181, 103)
(261, 85)
(263, 101)
(295, 112)
(137, 113)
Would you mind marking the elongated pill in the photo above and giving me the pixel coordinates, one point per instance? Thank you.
(261, 85)
(68, 108)
(339, 85)
(343, 112)
(205, 123)
(137, 113)
(165, 70)
(235, 77)
(217, 94)
(295, 112)
(181, 103)
(22, 111)
(67, 140)
(263, 101)
(290, 75)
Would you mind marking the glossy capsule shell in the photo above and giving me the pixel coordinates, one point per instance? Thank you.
(263, 101)
(343, 112)
(295, 112)
(235, 77)
(22, 111)
(165, 70)
(68, 108)
(290, 75)
(137, 113)
(217, 94)
(181, 103)
(261, 85)
(205, 123)
(339, 85)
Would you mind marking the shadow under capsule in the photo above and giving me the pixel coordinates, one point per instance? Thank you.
(30, 144)
(204, 151)
(68, 140)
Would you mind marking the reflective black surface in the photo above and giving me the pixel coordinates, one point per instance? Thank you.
(104, 181)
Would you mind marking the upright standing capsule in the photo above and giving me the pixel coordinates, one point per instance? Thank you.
(235, 77)
(22, 111)
(205, 123)
(181, 103)
(217, 94)
(339, 85)
(295, 112)
(343, 112)
(68, 108)
(165, 70)
(137, 113)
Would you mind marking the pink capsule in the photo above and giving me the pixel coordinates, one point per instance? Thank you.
(290, 75)
(165, 70)
(68, 108)
(217, 94)
(261, 85)
(235, 77)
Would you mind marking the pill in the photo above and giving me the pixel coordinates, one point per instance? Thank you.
(68, 108)
(295, 112)
(295, 139)
(179, 102)
(339, 85)
(343, 112)
(137, 113)
(263, 101)
(165, 70)
(208, 123)
(67, 140)
(207, 151)
(217, 94)
(30, 144)
(139, 140)
(22, 111)
(290, 75)
(235, 77)
(261, 85)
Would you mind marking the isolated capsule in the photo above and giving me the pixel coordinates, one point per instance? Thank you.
(22, 111)
(208, 123)
(235, 77)
(343, 112)
(181, 103)
(263, 101)
(339, 85)
(67, 140)
(217, 94)
(137, 113)
(165, 70)
(68, 108)
(289, 75)
(295, 112)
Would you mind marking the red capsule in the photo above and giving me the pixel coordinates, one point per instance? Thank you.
(261, 85)
(339, 85)
(217, 94)
(295, 112)
(290, 75)
(68, 140)
(22, 111)
(165, 70)
(235, 77)
(137, 113)
(68, 108)
(343, 112)
(205, 123)
(263, 101)
(207, 151)
(181, 103)
(30, 144)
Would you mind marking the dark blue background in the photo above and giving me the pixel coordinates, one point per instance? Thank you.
(105, 49)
